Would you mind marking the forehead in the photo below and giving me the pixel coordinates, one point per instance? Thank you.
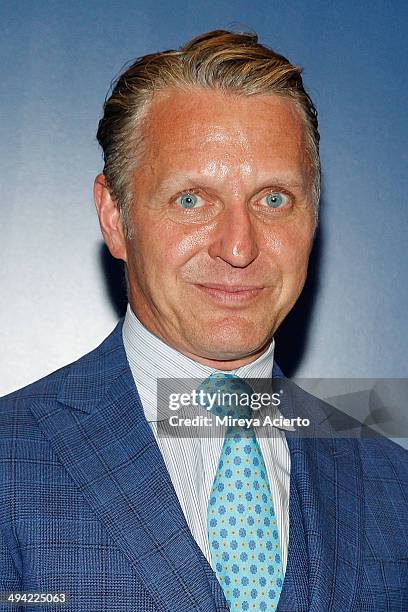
(189, 128)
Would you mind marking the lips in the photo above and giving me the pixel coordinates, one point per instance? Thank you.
(230, 294)
(230, 288)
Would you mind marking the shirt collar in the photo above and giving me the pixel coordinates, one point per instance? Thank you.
(151, 359)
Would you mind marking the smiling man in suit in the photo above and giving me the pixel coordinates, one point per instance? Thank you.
(209, 194)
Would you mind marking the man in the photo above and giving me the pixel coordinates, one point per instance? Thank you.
(209, 195)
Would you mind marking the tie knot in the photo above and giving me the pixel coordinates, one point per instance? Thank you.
(226, 395)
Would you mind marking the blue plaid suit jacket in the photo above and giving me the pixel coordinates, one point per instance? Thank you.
(87, 506)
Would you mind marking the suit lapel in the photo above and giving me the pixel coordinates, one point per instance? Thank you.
(325, 513)
(109, 450)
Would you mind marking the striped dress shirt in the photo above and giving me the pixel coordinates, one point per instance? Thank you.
(192, 461)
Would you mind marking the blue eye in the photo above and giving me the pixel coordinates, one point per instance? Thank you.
(276, 199)
(189, 200)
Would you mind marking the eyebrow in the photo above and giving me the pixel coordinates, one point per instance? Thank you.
(175, 182)
(180, 181)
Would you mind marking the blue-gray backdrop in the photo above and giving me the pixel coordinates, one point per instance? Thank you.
(58, 58)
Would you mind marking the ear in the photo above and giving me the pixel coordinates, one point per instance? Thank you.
(109, 219)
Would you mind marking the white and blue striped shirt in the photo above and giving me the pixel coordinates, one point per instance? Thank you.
(192, 461)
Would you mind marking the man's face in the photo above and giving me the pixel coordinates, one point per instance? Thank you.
(223, 222)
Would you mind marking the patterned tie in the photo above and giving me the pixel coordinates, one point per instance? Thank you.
(242, 527)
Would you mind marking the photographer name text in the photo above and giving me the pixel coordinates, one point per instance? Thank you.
(229, 421)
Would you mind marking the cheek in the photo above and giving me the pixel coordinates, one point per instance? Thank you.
(185, 242)
(289, 249)
(179, 243)
(169, 246)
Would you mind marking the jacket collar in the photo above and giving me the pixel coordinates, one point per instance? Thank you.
(326, 508)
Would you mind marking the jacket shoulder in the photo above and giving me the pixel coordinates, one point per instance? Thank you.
(377, 452)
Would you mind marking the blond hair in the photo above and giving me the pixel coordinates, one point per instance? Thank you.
(227, 61)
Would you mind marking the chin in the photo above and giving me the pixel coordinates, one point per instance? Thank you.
(229, 341)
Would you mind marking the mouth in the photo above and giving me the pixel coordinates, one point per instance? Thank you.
(230, 294)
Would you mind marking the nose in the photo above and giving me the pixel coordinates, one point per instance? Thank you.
(234, 240)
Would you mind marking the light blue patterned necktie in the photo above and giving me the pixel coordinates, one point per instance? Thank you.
(242, 528)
